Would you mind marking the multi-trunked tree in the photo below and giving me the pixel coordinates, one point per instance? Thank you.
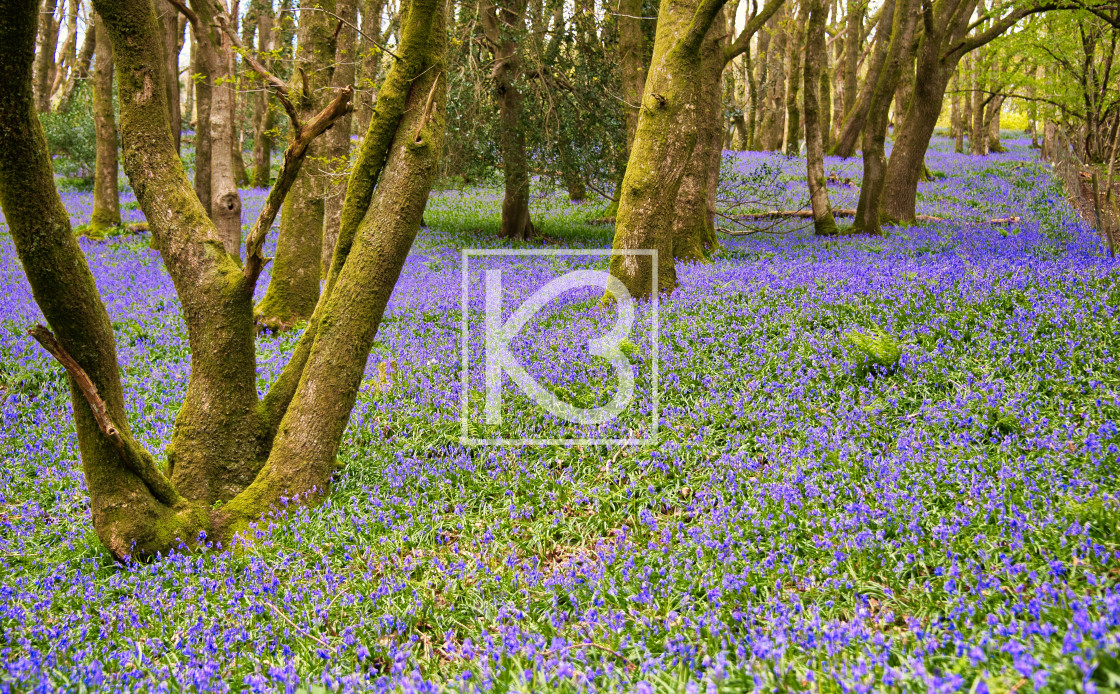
(232, 455)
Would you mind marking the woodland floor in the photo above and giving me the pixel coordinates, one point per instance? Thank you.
(805, 523)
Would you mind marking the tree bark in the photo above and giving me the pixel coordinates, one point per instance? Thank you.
(856, 117)
(371, 62)
(823, 221)
(946, 38)
(992, 123)
(106, 201)
(663, 143)
(694, 231)
(633, 59)
(216, 51)
(203, 142)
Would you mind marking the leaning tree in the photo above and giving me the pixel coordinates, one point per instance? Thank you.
(232, 455)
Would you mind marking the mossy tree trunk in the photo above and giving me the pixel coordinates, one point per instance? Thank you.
(823, 222)
(633, 61)
(772, 127)
(903, 20)
(106, 199)
(694, 232)
(227, 444)
(667, 134)
(502, 28)
(293, 290)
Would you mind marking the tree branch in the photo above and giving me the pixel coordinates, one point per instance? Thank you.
(289, 169)
(744, 39)
(135, 460)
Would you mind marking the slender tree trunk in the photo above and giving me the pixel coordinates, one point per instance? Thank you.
(106, 201)
(68, 53)
(336, 142)
(80, 69)
(502, 27)
(203, 138)
(263, 120)
(993, 123)
(225, 199)
(773, 118)
(44, 56)
(823, 221)
(793, 86)
(956, 126)
(902, 23)
(978, 137)
(371, 62)
(824, 90)
(853, 35)
(172, 40)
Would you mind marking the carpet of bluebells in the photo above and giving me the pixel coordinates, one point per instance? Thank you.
(805, 522)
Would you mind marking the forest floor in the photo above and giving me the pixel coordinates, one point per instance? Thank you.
(807, 520)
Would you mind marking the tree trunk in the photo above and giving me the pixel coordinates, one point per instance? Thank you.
(993, 122)
(978, 135)
(663, 144)
(44, 57)
(502, 28)
(226, 444)
(902, 22)
(856, 117)
(366, 95)
(203, 141)
(956, 125)
(853, 39)
(793, 86)
(172, 40)
(263, 120)
(774, 111)
(106, 201)
(693, 231)
(80, 69)
(336, 141)
(823, 221)
(293, 290)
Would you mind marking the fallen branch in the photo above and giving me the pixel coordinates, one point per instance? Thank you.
(289, 168)
(808, 214)
(138, 461)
